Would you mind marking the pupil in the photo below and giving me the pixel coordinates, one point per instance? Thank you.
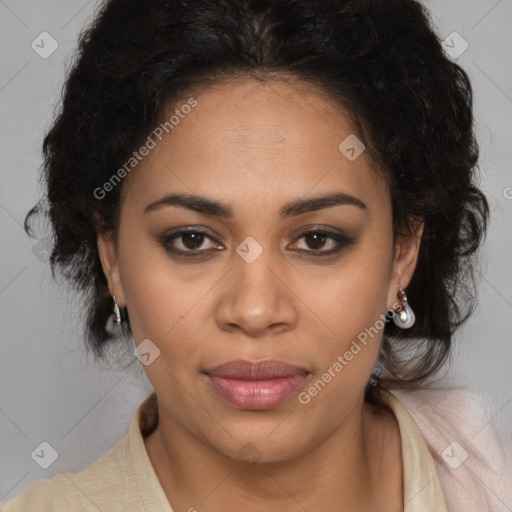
(196, 240)
(318, 239)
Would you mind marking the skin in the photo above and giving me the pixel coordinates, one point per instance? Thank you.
(255, 147)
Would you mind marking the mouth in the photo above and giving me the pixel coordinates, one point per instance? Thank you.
(256, 385)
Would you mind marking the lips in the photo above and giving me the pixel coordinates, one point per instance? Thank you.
(267, 369)
(256, 385)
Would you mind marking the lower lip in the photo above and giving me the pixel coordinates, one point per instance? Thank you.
(257, 394)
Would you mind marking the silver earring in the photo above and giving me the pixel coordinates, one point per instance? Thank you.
(404, 317)
(117, 313)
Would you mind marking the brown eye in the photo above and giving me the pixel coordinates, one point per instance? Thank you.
(192, 240)
(315, 240)
(322, 243)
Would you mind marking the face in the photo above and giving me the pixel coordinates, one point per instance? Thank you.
(258, 267)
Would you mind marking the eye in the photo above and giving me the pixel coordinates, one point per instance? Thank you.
(318, 239)
(189, 241)
(197, 242)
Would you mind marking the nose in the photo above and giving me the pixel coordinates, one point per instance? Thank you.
(256, 298)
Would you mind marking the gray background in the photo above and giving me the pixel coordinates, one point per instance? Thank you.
(50, 389)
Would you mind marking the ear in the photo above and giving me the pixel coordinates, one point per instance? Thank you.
(406, 256)
(108, 257)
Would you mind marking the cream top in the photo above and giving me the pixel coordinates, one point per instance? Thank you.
(123, 479)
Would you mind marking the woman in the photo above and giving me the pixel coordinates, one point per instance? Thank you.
(276, 199)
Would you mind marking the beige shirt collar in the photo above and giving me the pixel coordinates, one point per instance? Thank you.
(422, 488)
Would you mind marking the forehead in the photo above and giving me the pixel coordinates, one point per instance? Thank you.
(248, 141)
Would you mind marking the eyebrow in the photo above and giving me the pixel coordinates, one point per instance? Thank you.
(207, 206)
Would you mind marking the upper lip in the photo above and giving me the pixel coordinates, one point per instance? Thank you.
(252, 370)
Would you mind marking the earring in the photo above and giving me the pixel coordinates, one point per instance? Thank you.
(404, 317)
(117, 313)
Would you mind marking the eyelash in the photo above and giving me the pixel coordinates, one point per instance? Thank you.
(342, 240)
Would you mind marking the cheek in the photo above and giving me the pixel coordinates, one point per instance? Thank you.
(354, 292)
(356, 313)
(163, 306)
(351, 302)
(150, 295)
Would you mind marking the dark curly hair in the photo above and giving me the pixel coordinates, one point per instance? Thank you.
(381, 59)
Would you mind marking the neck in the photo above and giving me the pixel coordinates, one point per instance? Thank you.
(343, 472)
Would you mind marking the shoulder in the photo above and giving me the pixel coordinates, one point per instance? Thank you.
(471, 453)
(37, 496)
(80, 491)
